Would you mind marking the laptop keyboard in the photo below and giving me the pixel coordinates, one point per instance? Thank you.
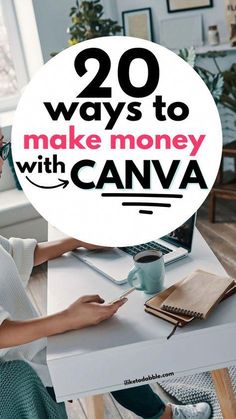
(133, 250)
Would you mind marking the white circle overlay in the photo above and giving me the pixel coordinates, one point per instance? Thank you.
(85, 213)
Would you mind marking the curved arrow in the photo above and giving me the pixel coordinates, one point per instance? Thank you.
(64, 184)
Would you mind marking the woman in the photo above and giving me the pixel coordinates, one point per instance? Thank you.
(23, 334)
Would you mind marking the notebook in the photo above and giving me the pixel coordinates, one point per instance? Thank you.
(197, 295)
(154, 305)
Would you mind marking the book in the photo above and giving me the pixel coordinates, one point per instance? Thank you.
(154, 306)
(171, 319)
(198, 294)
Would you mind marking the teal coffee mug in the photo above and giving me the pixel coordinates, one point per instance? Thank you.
(148, 272)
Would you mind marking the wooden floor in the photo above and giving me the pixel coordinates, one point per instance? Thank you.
(112, 409)
(221, 237)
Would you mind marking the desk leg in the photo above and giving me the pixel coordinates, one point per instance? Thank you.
(225, 394)
(211, 208)
(95, 407)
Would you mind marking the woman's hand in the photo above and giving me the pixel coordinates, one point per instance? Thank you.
(86, 311)
(51, 250)
(89, 310)
(91, 246)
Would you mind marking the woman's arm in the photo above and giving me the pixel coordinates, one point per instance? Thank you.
(86, 311)
(50, 250)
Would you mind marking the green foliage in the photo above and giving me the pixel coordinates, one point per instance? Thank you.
(188, 55)
(214, 82)
(228, 98)
(88, 22)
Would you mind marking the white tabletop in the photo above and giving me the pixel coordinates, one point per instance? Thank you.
(133, 344)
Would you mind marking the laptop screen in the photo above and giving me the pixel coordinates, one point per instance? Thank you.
(183, 235)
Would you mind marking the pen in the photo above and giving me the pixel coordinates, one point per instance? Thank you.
(123, 295)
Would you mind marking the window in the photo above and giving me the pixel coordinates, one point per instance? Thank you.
(8, 79)
(20, 52)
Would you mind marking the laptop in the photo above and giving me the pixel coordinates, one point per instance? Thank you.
(116, 263)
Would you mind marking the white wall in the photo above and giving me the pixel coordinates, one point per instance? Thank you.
(211, 16)
(52, 17)
(52, 21)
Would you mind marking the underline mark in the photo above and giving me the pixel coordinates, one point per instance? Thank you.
(146, 204)
(151, 195)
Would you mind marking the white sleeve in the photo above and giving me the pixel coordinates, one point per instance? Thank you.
(3, 316)
(22, 251)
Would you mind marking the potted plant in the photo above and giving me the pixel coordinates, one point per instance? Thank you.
(214, 82)
(88, 22)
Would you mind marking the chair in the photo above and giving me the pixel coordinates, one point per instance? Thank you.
(223, 189)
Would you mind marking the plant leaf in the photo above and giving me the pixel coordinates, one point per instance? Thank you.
(188, 55)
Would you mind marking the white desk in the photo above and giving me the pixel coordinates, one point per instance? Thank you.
(133, 344)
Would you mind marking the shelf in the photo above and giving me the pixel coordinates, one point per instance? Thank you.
(204, 49)
(220, 48)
